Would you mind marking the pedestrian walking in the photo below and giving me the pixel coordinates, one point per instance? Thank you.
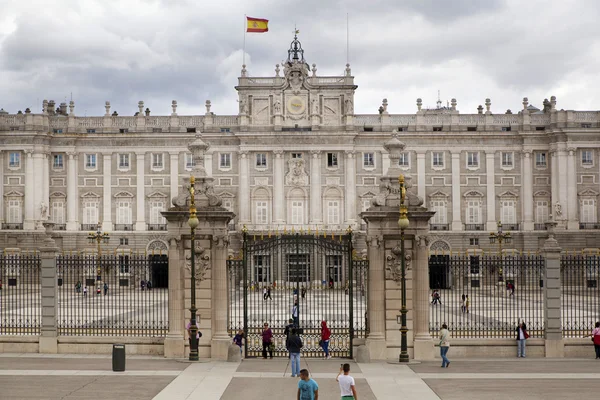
(307, 387)
(596, 339)
(463, 307)
(294, 344)
(78, 287)
(85, 290)
(522, 336)
(269, 293)
(467, 304)
(188, 328)
(324, 342)
(237, 339)
(303, 292)
(295, 314)
(148, 285)
(330, 282)
(264, 293)
(346, 382)
(142, 285)
(444, 345)
(267, 339)
(105, 288)
(98, 290)
(436, 297)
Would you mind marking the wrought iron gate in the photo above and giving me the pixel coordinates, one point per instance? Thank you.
(317, 273)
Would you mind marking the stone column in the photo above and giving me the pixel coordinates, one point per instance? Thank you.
(208, 163)
(46, 182)
(423, 343)
(220, 339)
(563, 183)
(174, 171)
(29, 222)
(457, 224)
(140, 195)
(38, 190)
(376, 342)
(72, 193)
(573, 221)
(174, 345)
(107, 225)
(421, 176)
(1, 187)
(554, 343)
(350, 175)
(244, 188)
(278, 188)
(315, 188)
(527, 192)
(554, 183)
(48, 341)
(491, 190)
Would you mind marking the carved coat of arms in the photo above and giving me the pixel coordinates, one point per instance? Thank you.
(296, 174)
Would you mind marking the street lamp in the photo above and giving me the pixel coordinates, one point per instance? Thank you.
(403, 223)
(98, 237)
(500, 237)
(193, 223)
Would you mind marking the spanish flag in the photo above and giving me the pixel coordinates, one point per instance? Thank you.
(257, 25)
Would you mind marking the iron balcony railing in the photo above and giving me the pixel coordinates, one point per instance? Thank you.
(60, 227)
(123, 227)
(539, 227)
(589, 225)
(439, 227)
(510, 227)
(89, 227)
(157, 227)
(12, 226)
(474, 227)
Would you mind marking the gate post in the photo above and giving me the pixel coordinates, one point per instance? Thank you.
(48, 342)
(423, 343)
(220, 341)
(174, 345)
(554, 343)
(375, 341)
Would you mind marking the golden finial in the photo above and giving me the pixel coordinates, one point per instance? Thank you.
(349, 230)
(262, 233)
(308, 230)
(285, 230)
(269, 236)
(244, 229)
(317, 231)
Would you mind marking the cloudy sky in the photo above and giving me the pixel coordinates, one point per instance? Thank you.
(191, 50)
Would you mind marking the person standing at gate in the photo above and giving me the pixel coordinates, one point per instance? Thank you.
(467, 304)
(444, 345)
(324, 342)
(288, 329)
(269, 293)
(295, 314)
(237, 339)
(294, 344)
(267, 339)
(105, 288)
(303, 292)
(522, 336)
(596, 339)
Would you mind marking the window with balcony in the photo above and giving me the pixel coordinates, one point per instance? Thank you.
(473, 212)
(58, 161)
(440, 208)
(57, 212)
(14, 160)
(261, 160)
(124, 214)
(15, 211)
(90, 213)
(156, 218)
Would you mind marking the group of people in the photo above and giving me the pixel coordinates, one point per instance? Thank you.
(308, 389)
(99, 289)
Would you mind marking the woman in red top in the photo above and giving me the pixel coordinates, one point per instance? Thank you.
(267, 338)
(325, 335)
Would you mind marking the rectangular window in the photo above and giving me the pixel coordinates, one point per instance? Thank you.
(368, 160)
(225, 130)
(439, 206)
(225, 160)
(157, 160)
(124, 241)
(123, 264)
(262, 213)
(123, 212)
(334, 267)
(297, 212)
(474, 241)
(437, 128)
(474, 264)
(90, 162)
(472, 159)
(507, 159)
(506, 129)
(296, 155)
(587, 157)
(124, 161)
(332, 160)
(262, 268)
(540, 160)
(124, 130)
(404, 160)
(508, 212)
(588, 211)
(473, 212)
(189, 161)
(261, 160)
(14, 160)
(156, 218)
(57, 212)
(541, 211)
(58, 161)
(437, 159)
(90, 212)
(333, 212)
(14, 212)
(90, 130)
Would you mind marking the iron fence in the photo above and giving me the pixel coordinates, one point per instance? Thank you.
(580, 292)
(20, 294)
(485, 296)
(112, 295)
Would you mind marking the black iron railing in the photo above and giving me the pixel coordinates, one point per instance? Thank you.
(11, 225)
(539, 227)
(89, 227)
(123, 227)
(484, 296)
(510, 227)
(589, 225)
(580, 281)
(474, 227)
(157, 227)
(114, 295)
(59, 227)
(439, 227)
(20, 294)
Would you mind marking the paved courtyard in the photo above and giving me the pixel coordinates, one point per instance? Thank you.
(35, 376)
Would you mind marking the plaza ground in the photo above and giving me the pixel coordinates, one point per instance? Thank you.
(35, 376)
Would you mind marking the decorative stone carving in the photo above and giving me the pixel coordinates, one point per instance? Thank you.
(439, 245)
(349, 107)
(393, 269)
(174, 107)
(43, 211)
(422, 241)
(157, 246)
(373, 241)
(207, 105)
(296, 175)
(221, 241)
(202, 260)
(243, 106)
(277, 107)
(558, 210)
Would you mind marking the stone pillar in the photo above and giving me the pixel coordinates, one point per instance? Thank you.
(107, 202)
(46, 182)
(72, 193)
(573, 221)
(140, 195)
(174, 170)
(278, 188)
(38, 190)
(527, 192)
(244, 191)
(554, 343)
(350, 183)
(562, 170)
(315, 188)
(554, 184)
(220, 339)
(423, 343)
(174, 345)
(376, 342)
(48, 341)
(2, 186)
(491, 190)
(421, 176)
(457, 224)
(208, 157)
(29, 222)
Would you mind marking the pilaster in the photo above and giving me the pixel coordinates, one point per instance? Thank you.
(491, 190)
(527, 192)
(174, 344)
(1, 186)
(375, 341)
(244, 188)
(140, 220)
(315, 188)
(174, 170)
(29, 222)
(278, 188)
(573, 221)
(552, 296)
(220, 339)
(48, 341)
(107, 225)
(456, 200)
(38, 190)
(562, 184)
(421, 176)
(350, 176)
(72, 193)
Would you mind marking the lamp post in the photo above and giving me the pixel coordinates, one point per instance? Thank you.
(500, 237)
(403, 223)
(193, 223)
(98, 237)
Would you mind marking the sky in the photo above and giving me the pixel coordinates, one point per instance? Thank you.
(191, 51)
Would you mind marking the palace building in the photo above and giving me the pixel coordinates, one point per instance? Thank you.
(297, 157)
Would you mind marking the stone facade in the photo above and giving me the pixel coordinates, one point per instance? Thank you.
(297, 156)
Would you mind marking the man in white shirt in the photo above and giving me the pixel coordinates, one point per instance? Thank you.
(347, 386)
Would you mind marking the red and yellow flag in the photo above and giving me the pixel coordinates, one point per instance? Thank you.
(257, 25)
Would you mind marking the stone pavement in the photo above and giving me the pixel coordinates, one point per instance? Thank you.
(37, 376)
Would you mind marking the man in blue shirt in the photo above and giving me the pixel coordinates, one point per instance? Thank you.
(307, 387)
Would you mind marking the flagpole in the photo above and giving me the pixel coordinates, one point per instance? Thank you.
(244, 47)
(347, 40)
